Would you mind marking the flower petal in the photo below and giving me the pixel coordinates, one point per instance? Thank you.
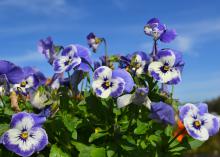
(129, 82)
(124, 100)
(102, 73)
(22, 120)
(13, 73)
(166, 56)
(187, 110)
(13, 143)
(168, 36)
(117, 87)
(199, 134)
(211, 123)
(38, 138)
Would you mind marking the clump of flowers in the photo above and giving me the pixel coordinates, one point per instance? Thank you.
(120, 105)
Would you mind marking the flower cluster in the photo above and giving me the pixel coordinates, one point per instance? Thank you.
(120, 105)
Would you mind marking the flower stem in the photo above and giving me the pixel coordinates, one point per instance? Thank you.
(106, 51)
(154, 53)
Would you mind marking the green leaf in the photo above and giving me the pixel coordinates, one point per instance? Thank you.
(169, 130)
(74, 134)
(195, 143)
(57, 152)
(3, 128)
(89, 151)
(71, 122)
(98, 152)
(141, 128)
(154, 139)
(95, 136)
(177, 149)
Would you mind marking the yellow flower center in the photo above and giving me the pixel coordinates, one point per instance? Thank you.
(24, 135)
(197, 123)
(166, 68)
(23, 84)
(107, 84)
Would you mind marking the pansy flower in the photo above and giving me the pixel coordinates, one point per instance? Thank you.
(25, 136)
(198, 122)
(10, 73)
(32, 79)
(108, 82)
(47, 48)
(135, 63)
(158, 30)
(93, 41)
(162, 112)
(73, 56)
(167, 67)
(140, 97)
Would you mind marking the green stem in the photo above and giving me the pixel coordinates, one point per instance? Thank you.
(70, 84)
(106, 51)
(154, 53)
(2, 101)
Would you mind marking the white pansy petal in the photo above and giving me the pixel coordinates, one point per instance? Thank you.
(211, 123)
(170, 75)
(118, 86)
(124, 100)
(103, 93)
(154, 70)
(13, 136)
(97, 83)
(199, 134)
(30, 82)
(25, 123)
(167, 56)
(102, 73)
(59, 64)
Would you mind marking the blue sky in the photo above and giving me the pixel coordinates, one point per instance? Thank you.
(121, 22)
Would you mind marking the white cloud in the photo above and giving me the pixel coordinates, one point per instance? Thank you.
(46, 7)
(30, 56)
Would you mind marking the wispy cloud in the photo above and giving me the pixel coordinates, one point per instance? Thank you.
(29, 56)
(46, 7)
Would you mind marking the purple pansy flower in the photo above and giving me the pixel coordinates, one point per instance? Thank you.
(47, 48)
(198, 122)
(135, 63)
(10, 73)
(108, 82)
(73, 56)
(140, 97)
(167, 67)
(93, 41)
(25, 136)
(32, 79)
(159, 31)
(162, 112)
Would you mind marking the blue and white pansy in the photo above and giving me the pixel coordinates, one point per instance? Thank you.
(73, 56)
(108, 82)
(32, 79)
(167, 67)
(140, 97)
(136, 63)
(67, 61)
(159, 31)
(25, 136)
(198, 122)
